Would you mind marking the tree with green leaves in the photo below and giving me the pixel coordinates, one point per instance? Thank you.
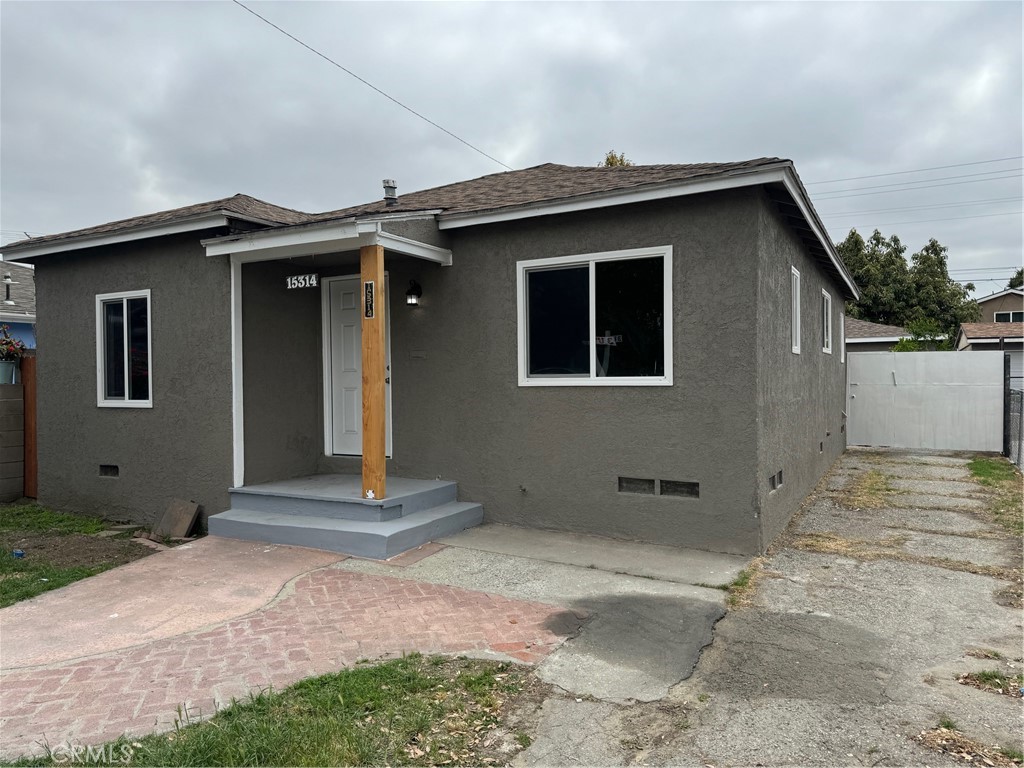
(1017, 281)
(613, 160)
(894, 292)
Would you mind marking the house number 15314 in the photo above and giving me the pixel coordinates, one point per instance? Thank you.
(300, 281)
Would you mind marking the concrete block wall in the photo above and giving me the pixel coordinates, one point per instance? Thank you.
(12, 442)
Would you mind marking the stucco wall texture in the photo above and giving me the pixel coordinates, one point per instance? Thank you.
(550, 457)
(179, 448)
(742, 405)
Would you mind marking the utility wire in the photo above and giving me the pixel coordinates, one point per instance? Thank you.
(369, 84)
(916, 170)
(823, 195)
(925, 207)
(952, 218)
(929, 186)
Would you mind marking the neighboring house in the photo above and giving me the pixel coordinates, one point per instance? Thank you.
(649, 352)
(18, 301)
(1000, 336)
(1006, 306)
(862, 336)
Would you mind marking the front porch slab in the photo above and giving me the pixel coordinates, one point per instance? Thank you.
(327, 512)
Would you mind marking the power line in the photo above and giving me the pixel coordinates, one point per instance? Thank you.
(948, 218)
(924, 207)
(824, 195)
(915, 170)
(369, 84)
(929, 186)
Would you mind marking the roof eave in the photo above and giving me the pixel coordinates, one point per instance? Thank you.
(26, 250)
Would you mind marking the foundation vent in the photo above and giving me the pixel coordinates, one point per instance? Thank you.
(636, 485)
(109, 470)
(680, 488)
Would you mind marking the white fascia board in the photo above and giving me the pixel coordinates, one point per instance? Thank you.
(796, 191)
(350, 235)
(263, 245)
(13, 317)
(1017, 291)
(414, 248)
(621, 197)
(876, 339)
(94, 241)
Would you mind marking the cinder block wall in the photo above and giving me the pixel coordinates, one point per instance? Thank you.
(12, 442)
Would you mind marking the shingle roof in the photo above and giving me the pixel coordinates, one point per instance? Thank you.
(544, 184)
(979, 331)
(23, 290)
(240, 205)
(862, 329)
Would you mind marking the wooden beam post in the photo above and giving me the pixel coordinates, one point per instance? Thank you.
(371, 267)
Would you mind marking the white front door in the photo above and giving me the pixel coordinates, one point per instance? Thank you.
(343, 366)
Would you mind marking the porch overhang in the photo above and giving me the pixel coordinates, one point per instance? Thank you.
(312, 240)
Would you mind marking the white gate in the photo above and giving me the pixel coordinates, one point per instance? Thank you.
(945, 400)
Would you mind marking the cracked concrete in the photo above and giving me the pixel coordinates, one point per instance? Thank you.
(838, 661)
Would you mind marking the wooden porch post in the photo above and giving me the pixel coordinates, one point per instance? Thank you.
(371, 263)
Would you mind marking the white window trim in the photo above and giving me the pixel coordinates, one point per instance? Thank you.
(522, 267)
(842, 337)
(794, 305)
(826, 319)
(101, 400)
(995, 316)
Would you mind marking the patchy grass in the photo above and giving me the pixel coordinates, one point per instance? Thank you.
(34, 517)
(741, 589)
(868, 491)
(984, 653)
(410, 711)
(951, 742)
(59, 549)
(995, 681)
(1005, 481)
(945, 722)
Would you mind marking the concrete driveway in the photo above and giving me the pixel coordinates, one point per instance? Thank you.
(195, 626)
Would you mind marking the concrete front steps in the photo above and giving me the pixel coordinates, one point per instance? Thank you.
(328, 512)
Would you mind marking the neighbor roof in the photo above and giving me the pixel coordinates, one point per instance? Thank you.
(999, 294)
(991, 331)
(864, 330)
(23, 293)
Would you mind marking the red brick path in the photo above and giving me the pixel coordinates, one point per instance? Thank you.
(332, 619)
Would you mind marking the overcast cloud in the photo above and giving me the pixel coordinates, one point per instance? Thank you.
(109, 110)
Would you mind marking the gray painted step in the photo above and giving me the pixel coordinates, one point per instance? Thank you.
(338, 496)
(379, 540)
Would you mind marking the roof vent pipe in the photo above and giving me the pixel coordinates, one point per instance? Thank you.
(390, 192)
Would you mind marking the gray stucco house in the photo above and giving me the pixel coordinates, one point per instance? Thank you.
(650, 352)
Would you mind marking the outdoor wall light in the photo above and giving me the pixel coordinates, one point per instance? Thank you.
(412, 296)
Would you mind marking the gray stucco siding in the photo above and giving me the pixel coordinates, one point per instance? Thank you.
(800, 397)
(179, 448)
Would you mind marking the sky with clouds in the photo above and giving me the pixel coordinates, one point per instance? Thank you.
(114, 109)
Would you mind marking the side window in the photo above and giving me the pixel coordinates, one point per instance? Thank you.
(596, 319)
(123, 342)
(826, 322)
(794, 282)
(1009, 317)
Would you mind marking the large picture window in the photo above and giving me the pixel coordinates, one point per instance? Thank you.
(123, 341)
(596, 319)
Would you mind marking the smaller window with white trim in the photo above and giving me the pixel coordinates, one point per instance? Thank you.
(1009, 317)
(842, 337)
(123, 343)
(794, 332)
(826, 322)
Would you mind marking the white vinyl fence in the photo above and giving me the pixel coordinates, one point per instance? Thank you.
(942, 400)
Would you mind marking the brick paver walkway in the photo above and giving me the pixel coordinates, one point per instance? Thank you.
(330, 620)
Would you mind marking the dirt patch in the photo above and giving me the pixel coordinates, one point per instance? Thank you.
(71, 550)
(519, 722)
(868, 491)
(994, 682)
(963, 749)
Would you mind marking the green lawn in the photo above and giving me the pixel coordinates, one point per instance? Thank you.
(410, 711)
(1005, 481)
(59, 549)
